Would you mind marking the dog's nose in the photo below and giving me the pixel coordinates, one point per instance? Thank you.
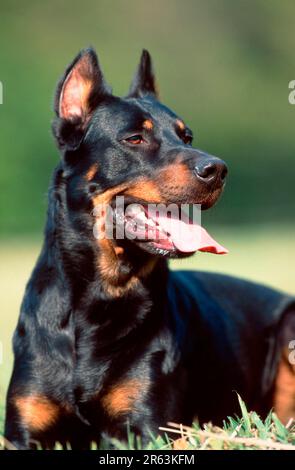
(211, 170)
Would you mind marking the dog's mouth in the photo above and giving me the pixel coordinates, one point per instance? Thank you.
(166, 233)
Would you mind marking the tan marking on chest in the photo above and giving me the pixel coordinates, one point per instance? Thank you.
(109, 257)
(114, 283)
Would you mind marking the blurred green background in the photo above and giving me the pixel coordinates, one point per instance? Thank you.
(223, 65)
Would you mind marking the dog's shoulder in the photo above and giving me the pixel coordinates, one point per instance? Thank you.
(237, 318)
(240, 299)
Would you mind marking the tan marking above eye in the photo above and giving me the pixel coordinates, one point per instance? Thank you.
(180, 124)
(91, 172)
(148, 124)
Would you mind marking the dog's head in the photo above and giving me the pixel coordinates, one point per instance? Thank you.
(136, 148)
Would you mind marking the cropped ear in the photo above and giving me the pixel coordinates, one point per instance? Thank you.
(78, 93)
(144, 80)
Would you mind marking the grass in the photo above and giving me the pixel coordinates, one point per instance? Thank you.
(247, 432)
(240, 433)
(266, 255)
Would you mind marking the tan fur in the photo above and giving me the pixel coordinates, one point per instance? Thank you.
(109, 194)
(121, 398)
(109, 268)
(76, 91)
(36, 412)
(176, 174)
(146, 190)
(119, 250)
(284, 395)
(109, 254)
(91, 172)
(180, 124)
(148, 124)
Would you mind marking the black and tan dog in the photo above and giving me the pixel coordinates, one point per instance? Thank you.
(107, 334)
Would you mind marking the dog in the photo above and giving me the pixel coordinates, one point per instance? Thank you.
(108, 336)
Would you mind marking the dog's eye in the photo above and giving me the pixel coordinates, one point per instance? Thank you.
(93, 187)
(187, 139)
(135, 139)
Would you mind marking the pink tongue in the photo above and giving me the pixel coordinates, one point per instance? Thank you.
(189, 237)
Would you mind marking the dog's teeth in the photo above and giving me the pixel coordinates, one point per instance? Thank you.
(134, 211)
(141, 216)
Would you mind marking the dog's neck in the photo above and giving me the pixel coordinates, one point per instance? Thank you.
(87, 265)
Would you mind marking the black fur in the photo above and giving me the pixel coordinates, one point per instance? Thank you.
(92, 352)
